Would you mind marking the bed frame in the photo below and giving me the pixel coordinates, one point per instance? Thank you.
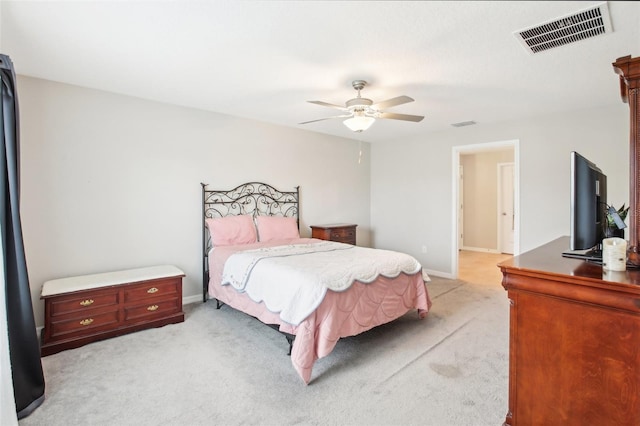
(260, 199)
(254, 198)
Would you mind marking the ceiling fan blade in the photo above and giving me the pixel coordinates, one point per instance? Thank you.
(327, 118)
(405, 117)
(341, 108)
(393, 102)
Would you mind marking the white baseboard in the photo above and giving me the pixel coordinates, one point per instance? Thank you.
(191, 299)
(439, 274)
(481, 249)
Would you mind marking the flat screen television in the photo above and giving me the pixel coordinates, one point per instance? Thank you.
(588, 208)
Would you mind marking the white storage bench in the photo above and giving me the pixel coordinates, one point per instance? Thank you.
(84, 309)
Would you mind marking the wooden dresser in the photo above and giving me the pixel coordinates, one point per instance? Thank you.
(340, 232)
(84, 309)
(574, 344)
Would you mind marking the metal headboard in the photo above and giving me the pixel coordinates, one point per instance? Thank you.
(254, 198)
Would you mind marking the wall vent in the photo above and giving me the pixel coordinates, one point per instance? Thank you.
(464, 123)
(581, 25)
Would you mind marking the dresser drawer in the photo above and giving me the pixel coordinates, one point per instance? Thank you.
(84, 302)
(344, 235)
(339, 232)
(84, 324)
(157, 308)
(156, 288)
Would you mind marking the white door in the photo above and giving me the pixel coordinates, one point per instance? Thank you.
(506, 217)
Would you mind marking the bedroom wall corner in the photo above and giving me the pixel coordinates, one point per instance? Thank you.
(419, 170)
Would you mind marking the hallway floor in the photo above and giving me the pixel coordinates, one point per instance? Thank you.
(480, 267)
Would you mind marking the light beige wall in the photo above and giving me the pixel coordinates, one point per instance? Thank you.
(411, 180)
(480, 198)
(112, 182)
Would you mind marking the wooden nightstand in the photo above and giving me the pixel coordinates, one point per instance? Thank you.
(84, 309)
(340, 232)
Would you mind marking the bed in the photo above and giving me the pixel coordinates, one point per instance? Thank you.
(313, 291)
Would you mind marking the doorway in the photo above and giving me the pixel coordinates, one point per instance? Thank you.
(491, 173)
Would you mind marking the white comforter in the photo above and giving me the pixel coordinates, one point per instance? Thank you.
(293, 279)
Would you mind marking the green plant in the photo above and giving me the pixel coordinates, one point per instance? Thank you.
(622, 212)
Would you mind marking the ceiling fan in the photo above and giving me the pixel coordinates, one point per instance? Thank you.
(361, 113)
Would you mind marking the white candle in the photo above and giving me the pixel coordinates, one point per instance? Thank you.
(614, 254)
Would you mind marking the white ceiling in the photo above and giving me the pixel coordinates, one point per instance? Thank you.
(264, 59)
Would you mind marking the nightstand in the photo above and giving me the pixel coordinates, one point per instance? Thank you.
(339, 232)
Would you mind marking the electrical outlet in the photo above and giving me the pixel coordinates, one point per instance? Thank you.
(424, 249)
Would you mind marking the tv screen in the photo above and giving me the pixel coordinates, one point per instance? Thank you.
(588, 204)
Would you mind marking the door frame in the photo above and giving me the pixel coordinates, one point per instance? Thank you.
(501, 167)
(460, 205)
(470, 149)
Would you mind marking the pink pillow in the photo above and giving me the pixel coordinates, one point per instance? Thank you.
(232, 230)
(272, 228)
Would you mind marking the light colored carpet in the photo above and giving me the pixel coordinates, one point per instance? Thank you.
(221, 367)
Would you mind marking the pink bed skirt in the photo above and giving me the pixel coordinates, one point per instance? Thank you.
(358, 309)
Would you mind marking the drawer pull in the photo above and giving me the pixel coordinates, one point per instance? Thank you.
(86, 302)
(152, 308)
(86, 321)
(152, 290)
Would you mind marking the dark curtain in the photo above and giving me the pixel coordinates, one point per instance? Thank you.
(24, 350)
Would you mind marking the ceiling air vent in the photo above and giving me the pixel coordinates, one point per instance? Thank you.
(578, 26)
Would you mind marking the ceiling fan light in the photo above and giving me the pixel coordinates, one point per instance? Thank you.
(359, 123)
